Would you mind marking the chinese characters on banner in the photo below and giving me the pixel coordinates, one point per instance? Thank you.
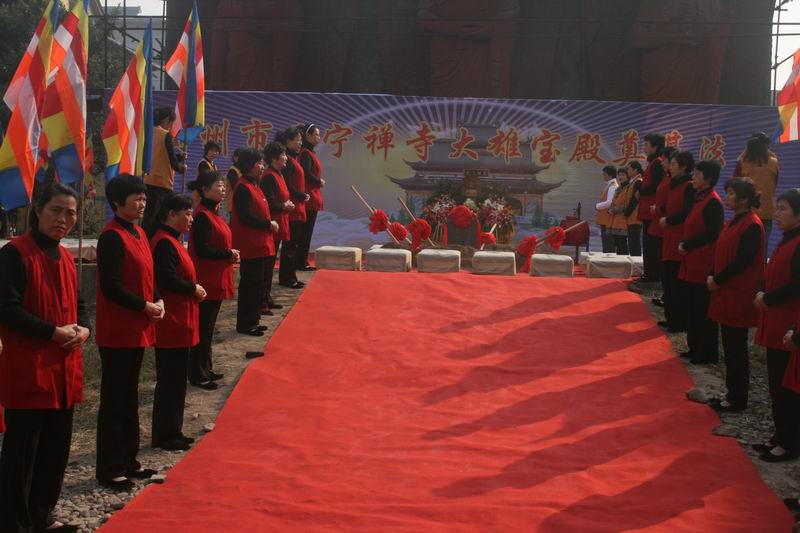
(545, 146)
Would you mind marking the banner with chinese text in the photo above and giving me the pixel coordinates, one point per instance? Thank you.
(544, 155)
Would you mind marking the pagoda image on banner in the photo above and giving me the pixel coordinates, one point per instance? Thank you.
(516, 179)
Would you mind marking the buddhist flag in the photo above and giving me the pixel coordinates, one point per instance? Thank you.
(64, 114)
(25, 98)
(185, 67)
(128, 131)
(788, 100)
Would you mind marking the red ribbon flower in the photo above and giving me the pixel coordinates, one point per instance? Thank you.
(526, 249)
(378, 221)
(486, 238)
(419, 230)
(398, 231)
(461, 216)
(555, 237)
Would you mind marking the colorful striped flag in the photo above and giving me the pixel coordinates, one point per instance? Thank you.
(64, 114)
(128, 131)
(185, 67)
(788, 100)
(25, 96)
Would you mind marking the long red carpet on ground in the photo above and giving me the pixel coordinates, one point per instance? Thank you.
(412, 402)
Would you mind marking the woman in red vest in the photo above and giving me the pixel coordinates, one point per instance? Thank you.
(680, 199)
(779, 305)
(312, 170)
(253, 230)
(128, 307)
(178, 332)
(295, 179)
(659, 208)
(213, 255)
(651, 179)
(43, 325)
(700, 232)
(281, 207)
(737, 275)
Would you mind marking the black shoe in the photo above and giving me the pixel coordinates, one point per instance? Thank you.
(262, 328)
(266, 312)
(124, 484)
(727, 407)
(658, 302)
(274, 306)
(253, 355)
(792, 504)
(762, 448)
(662, 324)
(187, 440)
(699, 361)
(213, 376)
(308, 268)
(769, 457)
(294, 285)
(676, 330)
(208, 385)
(254, 331)
(142, 473)
(686, 355)
(174, 446)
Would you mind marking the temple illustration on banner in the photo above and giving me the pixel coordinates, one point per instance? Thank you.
(478, 173)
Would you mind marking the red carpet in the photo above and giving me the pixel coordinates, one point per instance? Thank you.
(412, 402)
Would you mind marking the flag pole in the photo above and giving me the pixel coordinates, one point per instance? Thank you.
(80, 232)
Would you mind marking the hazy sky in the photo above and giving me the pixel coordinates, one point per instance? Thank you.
(786, 45)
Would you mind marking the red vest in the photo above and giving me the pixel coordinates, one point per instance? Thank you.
(645, 201)
(180, 327)
(37, 373)
(673, 235)
(252, 242)
(314, 191)
(298, 182)
(117, 326)
(697, 264)
(732, 304)
(281, 217)
(215, 275)
(662, 193)
(776, 320)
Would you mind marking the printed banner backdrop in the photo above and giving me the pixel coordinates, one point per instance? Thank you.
(546, 154)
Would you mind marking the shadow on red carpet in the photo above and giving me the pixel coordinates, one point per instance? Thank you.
(413, 402)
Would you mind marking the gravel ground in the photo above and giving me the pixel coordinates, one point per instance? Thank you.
(87, 505)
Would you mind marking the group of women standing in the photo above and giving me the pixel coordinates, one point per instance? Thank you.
(715, 276)
(150, 293)
(275, 204)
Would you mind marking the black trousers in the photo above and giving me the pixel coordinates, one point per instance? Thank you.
(651, 252)
(702, 333)
(170, 394)
(251, 292)
(737, 364)
(785, 403)
(621, 244)
(674, 301)
(287, 273)
(200, 364)
(32, 464)
(118, 416)
(304, 244)
(635, 239)
(607, 240)
(155, 196)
